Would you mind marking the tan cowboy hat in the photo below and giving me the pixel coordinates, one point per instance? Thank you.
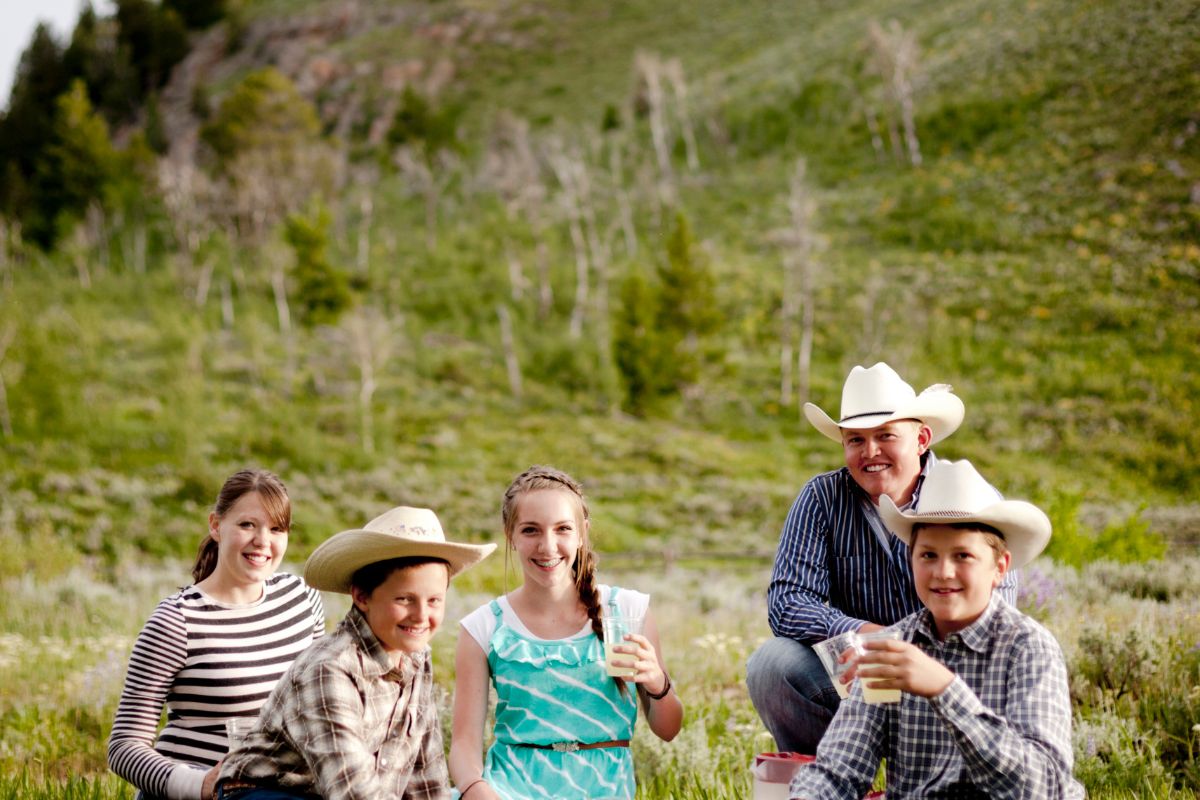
(876, 396)
(403, 531)
(955, 492)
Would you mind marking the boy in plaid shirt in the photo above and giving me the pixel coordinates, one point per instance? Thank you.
(354, 716)
(985, 710)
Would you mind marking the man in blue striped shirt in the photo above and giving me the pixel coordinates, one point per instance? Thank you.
(838, 568)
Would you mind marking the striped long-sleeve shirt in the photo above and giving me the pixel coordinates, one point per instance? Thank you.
(205, 662)
(1001, 729)
(837, 566)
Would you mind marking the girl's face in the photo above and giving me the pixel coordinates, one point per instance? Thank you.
(547, 536)
(249, 546)
(955, 572)
(406, 610)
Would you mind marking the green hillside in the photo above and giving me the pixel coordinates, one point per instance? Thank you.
(399, 251)
(1042, 257)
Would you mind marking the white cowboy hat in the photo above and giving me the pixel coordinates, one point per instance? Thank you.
(955, 492)
(876, 396)
(401, 532)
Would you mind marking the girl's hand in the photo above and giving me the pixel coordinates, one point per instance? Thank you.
(891, 664)
(644, 659)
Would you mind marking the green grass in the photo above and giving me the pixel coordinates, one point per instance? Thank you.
(1128, 632)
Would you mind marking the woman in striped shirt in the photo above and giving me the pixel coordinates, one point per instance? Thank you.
(214, 650)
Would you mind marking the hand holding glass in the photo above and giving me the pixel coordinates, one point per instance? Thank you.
(830, 652)
(615, 629)
(870, 695)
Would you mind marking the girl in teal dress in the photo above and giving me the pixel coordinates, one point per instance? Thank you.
(562, 724)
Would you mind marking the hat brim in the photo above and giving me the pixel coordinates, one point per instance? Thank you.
(1025, 527)
(942, 411)
(334, 562)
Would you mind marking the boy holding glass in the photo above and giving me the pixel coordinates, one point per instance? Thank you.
(985, 709)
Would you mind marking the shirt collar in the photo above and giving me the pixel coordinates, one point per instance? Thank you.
(928, 459)
(975, 636)
(377, 662)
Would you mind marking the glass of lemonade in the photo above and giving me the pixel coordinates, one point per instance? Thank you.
(876, 696)
(615, 629)
(830, 651)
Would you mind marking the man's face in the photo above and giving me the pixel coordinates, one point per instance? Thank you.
(887, 459)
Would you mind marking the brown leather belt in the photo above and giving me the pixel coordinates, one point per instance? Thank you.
(571, 747)
(235, 786)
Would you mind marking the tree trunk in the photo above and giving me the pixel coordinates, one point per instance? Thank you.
(361, 334)
(787, 315)
(512, 365)
(363, 254)
(6, 427)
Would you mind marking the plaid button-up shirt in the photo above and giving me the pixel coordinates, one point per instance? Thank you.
(1001, 729)
(344, 725)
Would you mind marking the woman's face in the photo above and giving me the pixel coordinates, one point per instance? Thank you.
(547, 536)
(249, 546)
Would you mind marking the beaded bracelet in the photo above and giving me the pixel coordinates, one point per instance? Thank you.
(666, 688)
(470, 786)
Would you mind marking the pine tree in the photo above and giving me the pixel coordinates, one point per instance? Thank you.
(322, 290)
(76, 166)
(26, 126)
(637, 346)
(688, 311)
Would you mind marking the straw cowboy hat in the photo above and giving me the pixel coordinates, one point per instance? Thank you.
(876, 396)
(955, 492)
(401, 532)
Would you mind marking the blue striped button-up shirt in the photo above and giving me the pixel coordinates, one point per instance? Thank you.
(1001, 729)
(833, 571)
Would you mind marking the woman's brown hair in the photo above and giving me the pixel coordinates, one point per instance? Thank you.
(275, 501)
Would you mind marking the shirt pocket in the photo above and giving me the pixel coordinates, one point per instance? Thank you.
(379, 706)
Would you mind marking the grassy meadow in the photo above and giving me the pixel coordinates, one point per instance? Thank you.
(628, 239)
(1129, 634)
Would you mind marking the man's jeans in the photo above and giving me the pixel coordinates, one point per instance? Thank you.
(792, 693)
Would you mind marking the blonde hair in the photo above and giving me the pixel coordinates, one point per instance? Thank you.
(537, 478)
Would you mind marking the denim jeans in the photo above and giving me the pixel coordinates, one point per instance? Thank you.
(792, 693)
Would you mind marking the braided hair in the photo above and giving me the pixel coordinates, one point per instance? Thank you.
(540, 477)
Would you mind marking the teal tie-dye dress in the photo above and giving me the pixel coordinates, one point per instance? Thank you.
(557, 691)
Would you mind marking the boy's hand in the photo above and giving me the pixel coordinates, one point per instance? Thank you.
(208, 791)
(891, 664)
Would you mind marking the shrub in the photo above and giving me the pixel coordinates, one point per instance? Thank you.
(1126, 541)
(1130, 541)
(1111, 753)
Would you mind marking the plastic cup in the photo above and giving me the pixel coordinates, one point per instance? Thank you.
(829, 651)
(238, 728)
(877, 696)
(615, 629)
